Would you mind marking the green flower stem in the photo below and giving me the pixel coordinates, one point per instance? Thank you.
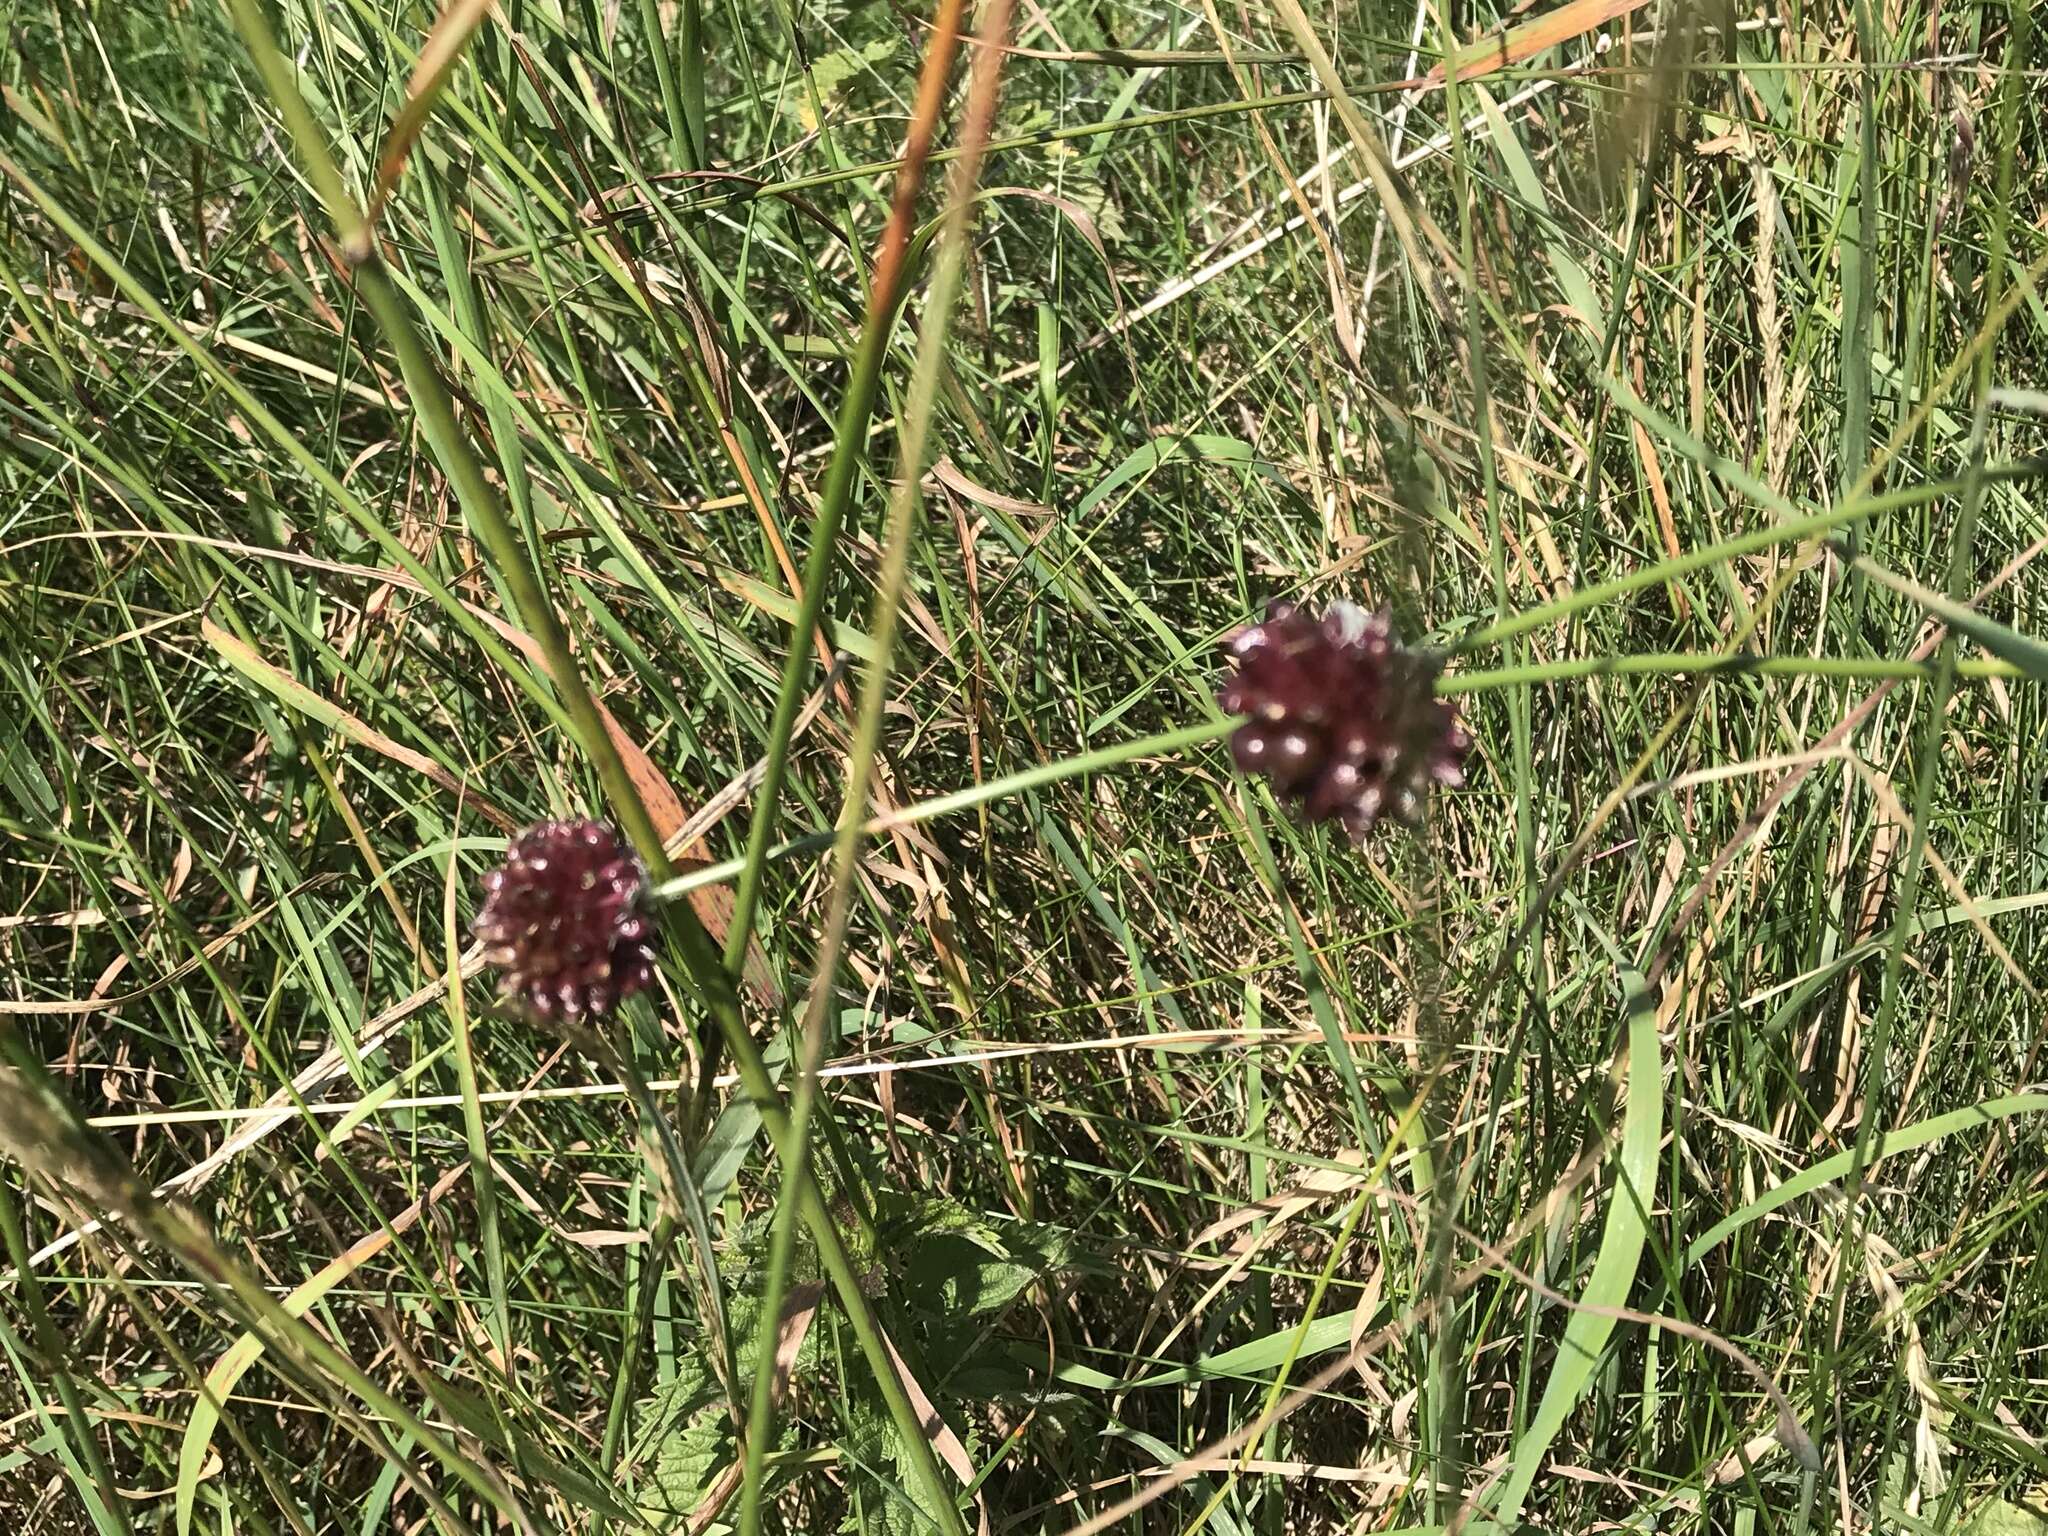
(1456, 685)
(1858, 668)
(905, 502)
(1790, 530)
(700, 955)
(1164, 744)
(486, 517)
(887, 285)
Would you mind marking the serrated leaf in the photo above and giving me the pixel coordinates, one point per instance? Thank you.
(831, 72)
(685, 1433)
(954, 1262)
(691, 1457)
(1996, 1517)
(952, 1274)
(672, 1403)
(873, 1449)
(743, 1315)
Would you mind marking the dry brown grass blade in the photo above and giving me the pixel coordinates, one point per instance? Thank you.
(1573, 19)
(443, 51)
(944, 1440)
(66, 1006)
(713, 903)
(1317, 1185)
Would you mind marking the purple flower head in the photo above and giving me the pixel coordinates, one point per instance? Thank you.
(1342, 719)
(562, 919)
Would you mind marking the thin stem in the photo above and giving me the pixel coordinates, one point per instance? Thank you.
(690, 73)
(700, 956)
(849, 440)
(680, 150)
(1165, 744)
(1713, 664)
(896, 542)
(1790, 531)
(1455, 685)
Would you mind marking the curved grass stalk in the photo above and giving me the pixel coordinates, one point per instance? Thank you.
(486, 515)
(896, 542)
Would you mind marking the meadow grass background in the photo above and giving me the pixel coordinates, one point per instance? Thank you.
(1710, 999)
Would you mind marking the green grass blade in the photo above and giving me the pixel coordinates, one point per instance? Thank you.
(1630, 1195)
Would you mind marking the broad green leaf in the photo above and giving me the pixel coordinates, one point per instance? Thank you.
(1614, 1268)
(830, 74)
(1997, 1517)
(1572, 281)
(951, 1262)
(887, 1502)
(686, 1434)
(1260, 1355)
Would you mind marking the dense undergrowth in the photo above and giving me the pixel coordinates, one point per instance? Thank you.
(1675, 376)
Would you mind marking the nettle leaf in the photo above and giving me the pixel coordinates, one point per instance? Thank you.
(953, 1262)
(742, 1270)
(673, 1401)
(743, 1317)
(953, 1275)
(686, 1433)
(690, 1461)
(685, 1440)
(886, 1497)
(1996, 1517)
(834, 70)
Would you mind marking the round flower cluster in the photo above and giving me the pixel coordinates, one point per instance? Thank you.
(563, 919)
(1343, 719)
